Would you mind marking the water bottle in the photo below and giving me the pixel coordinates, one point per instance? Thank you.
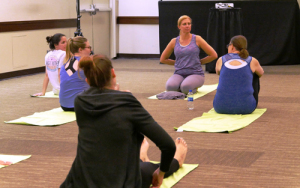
(190, 99)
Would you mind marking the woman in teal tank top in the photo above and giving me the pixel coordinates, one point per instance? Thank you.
(238, 88)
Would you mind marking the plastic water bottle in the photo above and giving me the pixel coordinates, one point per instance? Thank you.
(190, 99)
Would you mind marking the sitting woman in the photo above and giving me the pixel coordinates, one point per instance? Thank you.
(238, 88)
(188, 74)
(72, 81)
(112, 125)
(54, 59)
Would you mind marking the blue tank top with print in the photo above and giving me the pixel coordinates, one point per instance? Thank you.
(187, 60)
(235, 91)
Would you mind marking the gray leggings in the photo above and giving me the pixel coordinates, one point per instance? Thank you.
(178, 83)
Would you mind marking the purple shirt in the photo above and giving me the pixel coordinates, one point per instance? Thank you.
(187, 58)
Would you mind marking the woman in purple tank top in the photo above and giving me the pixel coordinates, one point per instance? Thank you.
(188, 74)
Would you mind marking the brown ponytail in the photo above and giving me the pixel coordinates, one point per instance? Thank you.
(97, 70)
(240, 44)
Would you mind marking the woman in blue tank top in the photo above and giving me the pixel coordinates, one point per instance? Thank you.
(73, 82)
(188, 74)
(238, 88)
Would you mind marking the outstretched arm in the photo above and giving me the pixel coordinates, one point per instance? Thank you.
(164, 58)
(45, 85)
(211, 53)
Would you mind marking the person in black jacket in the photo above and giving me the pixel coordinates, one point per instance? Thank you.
(112, 125)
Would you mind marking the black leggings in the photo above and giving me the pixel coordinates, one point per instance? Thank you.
(256, 87)
(67, 109)
(147, 170)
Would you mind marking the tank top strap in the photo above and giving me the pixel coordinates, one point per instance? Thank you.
(230, 56)
(70, 66)
(193, 38)
(226, 57)
(248, 59)
(177, 40)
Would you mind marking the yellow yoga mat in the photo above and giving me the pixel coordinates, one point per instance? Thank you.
(205, 89)
(214, 122)
(52, 117)
(178, 175)
(49, 94)
(8, 160)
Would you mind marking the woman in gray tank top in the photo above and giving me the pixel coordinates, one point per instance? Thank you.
(188, 74)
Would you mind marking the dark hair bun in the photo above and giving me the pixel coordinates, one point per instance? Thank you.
(49, 39)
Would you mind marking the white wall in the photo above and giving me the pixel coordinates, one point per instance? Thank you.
(20, 10)
(138, 39)
(27, 49)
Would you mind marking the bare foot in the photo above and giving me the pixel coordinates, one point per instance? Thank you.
(144, 149)
(181, 150)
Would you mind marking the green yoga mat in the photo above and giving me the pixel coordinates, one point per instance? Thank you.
(205, 89)
(49, 94)
(214, 122)
(11, 159)
(178, 175)
(52, 117)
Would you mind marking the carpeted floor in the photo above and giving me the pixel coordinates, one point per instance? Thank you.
(264, 154)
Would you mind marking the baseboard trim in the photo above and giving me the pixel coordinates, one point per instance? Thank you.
(142, 56)
(21, 72)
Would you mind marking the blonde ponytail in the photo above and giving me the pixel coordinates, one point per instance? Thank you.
(68, 52)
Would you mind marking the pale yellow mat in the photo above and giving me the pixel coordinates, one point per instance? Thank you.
(52, 117)
(214, 122)
(8, 160)
(178, 175)
(205, 89)
(49, 94)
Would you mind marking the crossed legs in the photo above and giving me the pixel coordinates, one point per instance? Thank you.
(147, 168)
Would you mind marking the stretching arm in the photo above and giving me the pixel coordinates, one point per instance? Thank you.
(45, 85)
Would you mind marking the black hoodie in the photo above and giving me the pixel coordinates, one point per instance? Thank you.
(111, 128)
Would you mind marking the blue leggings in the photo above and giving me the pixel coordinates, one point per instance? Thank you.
(183, 84)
